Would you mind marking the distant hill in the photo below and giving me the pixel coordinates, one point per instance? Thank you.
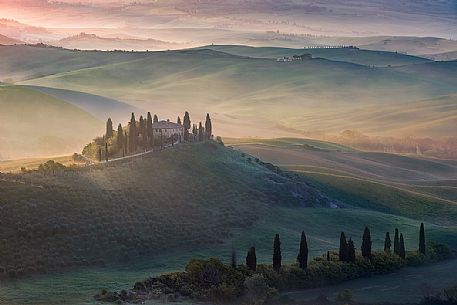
(85, 41)
(352, 55)
(36, 124)
(4, 40)
(98, 106)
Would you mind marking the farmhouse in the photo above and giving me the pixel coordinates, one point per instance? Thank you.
(167, 130)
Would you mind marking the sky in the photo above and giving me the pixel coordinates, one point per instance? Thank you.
(138, 19)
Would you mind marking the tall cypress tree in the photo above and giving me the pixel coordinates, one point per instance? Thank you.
(149, 129)
(351, 251)
(251, 259)
(179, 121)
(109, 129)
(99, 154)
(120, 137)
(132, 134)
(328, 256)
(106, 151)
(277, 253)
(186, 125)
(343, 252)
(200, 131)
(396, 243)
(387, 243)
(208, 127)
(422, 239)
(302, 256)
(156, 118)
(366, 243)
(402, 251)
(124, 151)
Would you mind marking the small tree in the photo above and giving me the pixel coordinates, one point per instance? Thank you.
(233, 258)
(366, 243)
(132, 134)
(302, 256)
(106, 151)
(120, 137)
(422, 239)
(251, 259)
(156, 118)
(109, 129)
(100, 154)
(396, 243)
(402, 251)
(277, 253)
(351, 251)
(328, 256)
(343, 252)
(387, 243)
(208, 127)
(201, 132)
(186, 125)
(179, 121)
(149, 129)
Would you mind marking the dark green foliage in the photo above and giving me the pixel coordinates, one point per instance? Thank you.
(251, 259)
(366, 243)
(106, 152)
(186, 124)
(51, 167)
(109, 129)
(178, 121)
(156, 118)
(149, 130)
(328, 256)
(302, 256)
(277, 258)
(201, 132)
(387, 242)
(401, 250)
(343, 251)
(422, 239)
(100, 154)
(396, 243)
(208, 127)
(351, 251)
(132, 134)
(344, 296)
(120, 137)
(125, 147)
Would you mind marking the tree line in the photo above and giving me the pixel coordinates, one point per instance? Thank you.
(346, 253)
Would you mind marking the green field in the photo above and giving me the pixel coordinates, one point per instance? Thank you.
(36, 124)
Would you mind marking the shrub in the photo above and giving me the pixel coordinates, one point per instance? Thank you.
(344, 296)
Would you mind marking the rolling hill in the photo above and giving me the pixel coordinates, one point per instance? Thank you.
(156, 212)
(37, 124)
(352, 55)
(4, 40)
(245, 94)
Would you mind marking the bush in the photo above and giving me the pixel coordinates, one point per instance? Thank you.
(344, 296)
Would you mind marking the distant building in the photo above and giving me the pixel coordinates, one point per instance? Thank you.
(167, 130)
(295, 58)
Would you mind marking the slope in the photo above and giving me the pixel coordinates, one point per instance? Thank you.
(5, 40)
(36, 124)
(98, 106)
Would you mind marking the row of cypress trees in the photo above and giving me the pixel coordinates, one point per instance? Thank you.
(347, 250)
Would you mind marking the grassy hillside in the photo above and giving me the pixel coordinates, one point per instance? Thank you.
(262, 97)
(157, 212)
(357, 56)
(99, 106)
(382, 182)
(37, 124)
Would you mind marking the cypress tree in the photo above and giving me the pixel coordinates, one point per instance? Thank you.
(200, 132)
(251, 259)
(100, 154)
(124, 151)
(396, 243)
(109, 129)
(343, 252)
(351, 251)
(132, 134)
(328, 256)
(156, 119)
(402, 251)
(186, 125)
(277, 253)
(120, 137)
(149, 129)
(106, 151)
(422, 239)
(302, 256)
(233, 258)
(387, 243)
(208, 127)
(179, 121)
(366, 243)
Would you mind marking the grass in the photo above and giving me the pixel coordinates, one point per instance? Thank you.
(14, 166)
